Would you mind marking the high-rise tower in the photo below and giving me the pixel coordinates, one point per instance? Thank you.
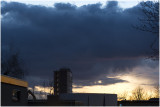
(62, 81)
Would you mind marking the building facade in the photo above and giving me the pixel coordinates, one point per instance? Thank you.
(62, 81)
(13, 91)
(91, 99)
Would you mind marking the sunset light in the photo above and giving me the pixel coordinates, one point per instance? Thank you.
(80, 52)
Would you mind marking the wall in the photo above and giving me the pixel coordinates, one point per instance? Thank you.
(6, 95)
(91, 99)
(13, 91)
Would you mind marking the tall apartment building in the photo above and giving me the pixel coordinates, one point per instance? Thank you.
(62, 81)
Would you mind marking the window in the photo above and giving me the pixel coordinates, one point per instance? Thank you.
(16, 95)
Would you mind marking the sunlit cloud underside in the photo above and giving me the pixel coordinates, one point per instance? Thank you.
(134, 79)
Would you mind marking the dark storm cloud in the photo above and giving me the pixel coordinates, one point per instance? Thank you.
(91, 82)
(91, 40)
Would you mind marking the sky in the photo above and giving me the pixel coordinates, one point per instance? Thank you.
(122, 3)
(96, 40)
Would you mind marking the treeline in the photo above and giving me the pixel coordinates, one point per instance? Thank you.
(140, 93)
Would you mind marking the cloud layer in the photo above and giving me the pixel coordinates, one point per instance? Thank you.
(93, 41)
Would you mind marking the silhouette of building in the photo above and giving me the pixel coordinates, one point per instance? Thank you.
(14, 91)
(62, 81)
(151, 102)
(91, 99)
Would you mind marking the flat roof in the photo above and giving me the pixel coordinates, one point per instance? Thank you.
(13, 81)
(91, 93)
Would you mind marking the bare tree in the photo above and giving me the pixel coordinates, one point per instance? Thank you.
(40, 94)
(44, 86)
(12, 66)
(138, 94)
(148, 95)
(150, 23)
(156, 90)
(123, 96)
(50, 85)
(34, 82)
